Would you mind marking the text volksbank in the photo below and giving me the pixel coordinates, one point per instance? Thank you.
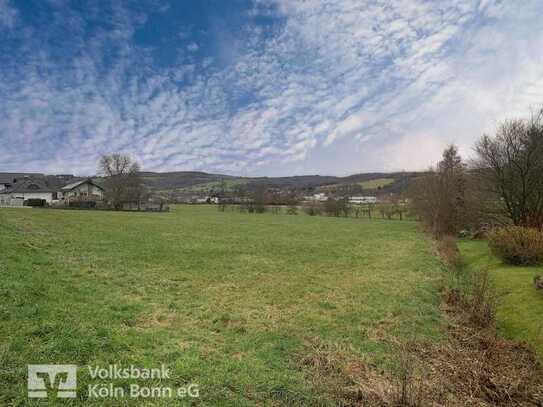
(135, 390)
(130, 372)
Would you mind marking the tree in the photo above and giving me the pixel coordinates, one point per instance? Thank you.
(123, 182)
(510, 169)
(259, 199)
(292, 204)
(331, 207)
(222, 196)
(439, 197)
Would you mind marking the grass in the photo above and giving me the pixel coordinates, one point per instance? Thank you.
(226, 300)
(376, 183)
(520, 306)
(207, 187)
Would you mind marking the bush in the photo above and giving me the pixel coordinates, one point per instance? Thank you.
(35, 202)
(292, 209)
(312, 208)
(448, 250)
(518, 245)
(82, 204)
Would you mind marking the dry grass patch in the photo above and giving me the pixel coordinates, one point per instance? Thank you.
(472, 367)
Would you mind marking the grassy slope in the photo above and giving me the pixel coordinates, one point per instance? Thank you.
(520, 306)
(376, 183)
(225, 300)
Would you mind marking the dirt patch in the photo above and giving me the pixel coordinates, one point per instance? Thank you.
(476, 367)
(156, 319)
(346, 376)
(471, 367)
(538, 282)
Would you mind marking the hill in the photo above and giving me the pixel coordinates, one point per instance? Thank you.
(199, 183)
(181, 184)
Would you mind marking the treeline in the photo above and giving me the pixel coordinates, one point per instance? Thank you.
(501, 187)
(334, 207)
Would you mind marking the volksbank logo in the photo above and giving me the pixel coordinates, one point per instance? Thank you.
(60, 381)
(52, 381)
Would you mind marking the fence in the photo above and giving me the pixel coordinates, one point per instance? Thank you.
(8, 202)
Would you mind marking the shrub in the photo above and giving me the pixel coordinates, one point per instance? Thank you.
(518, 245)
(312, 208)
(448, 250)
(82, 204)
(35, 202)
(483, 300)
(292, 209)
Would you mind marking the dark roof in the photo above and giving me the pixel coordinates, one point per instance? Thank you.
(75, 184)
(8, 177)
(28, 184)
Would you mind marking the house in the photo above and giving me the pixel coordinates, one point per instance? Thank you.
(320, 197)
(362, 199)
(82, 190)
(5, 183)
(28, 188)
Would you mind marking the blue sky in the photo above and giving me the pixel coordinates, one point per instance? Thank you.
(263, 87)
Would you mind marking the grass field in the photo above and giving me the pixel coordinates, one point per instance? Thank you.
(376, 183)
(232, 302)
(520, 306)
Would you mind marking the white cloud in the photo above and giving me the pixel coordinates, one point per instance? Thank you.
(192, 47)
(343, 86)
(8, 14)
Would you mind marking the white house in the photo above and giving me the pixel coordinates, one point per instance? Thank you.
(82, 190)
(362, 199)
(320, 197)
(28, 188)
(5, 182)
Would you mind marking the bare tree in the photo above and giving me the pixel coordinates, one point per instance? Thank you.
(123, 182)
(331, 207)
(439, 197)
(510, 169)
(222, 196)
(259, 199)
(292, 204)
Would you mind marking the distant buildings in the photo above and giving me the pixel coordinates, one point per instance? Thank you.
(320, 197)
(362, 199)
(17, 190)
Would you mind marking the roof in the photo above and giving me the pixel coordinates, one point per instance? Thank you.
(8, 177)
(73, 185)
(29, 185)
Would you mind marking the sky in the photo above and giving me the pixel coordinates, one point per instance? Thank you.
(262, 87)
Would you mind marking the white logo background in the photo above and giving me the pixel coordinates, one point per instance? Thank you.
(62, 378)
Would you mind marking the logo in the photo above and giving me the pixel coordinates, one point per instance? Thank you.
(44, 380)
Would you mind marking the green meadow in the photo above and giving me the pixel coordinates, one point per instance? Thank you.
(231, 302)
(519, 310)
(376, 183)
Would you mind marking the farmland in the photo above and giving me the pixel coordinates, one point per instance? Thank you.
(232, 302)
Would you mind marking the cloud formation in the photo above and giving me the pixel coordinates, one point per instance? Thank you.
(281, 87)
